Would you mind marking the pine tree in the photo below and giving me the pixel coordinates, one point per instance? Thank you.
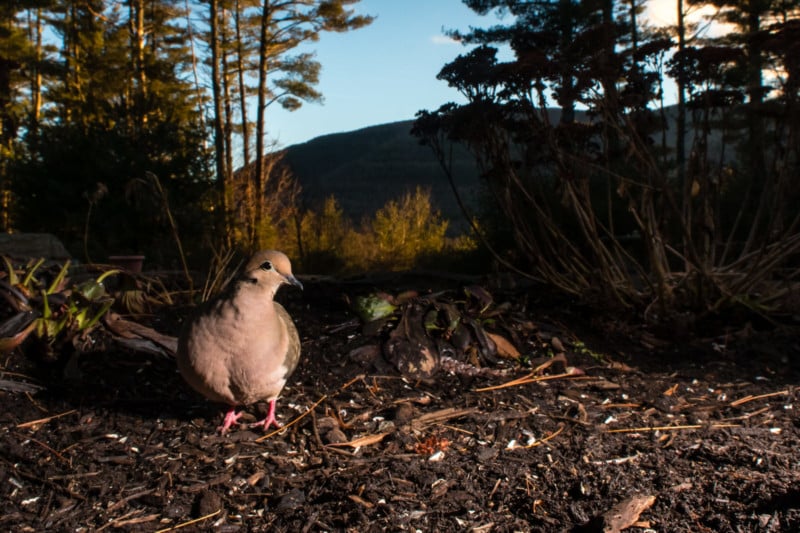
(278, 75)
(21, 62)
(121, 108)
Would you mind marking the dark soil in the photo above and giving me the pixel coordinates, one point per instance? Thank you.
(697, 436)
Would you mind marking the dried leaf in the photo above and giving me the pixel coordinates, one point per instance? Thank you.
(14, 330)
(504, 347)
(626, 513)
(405, 296)
(128, 329)
(409, 348)
(487, 347)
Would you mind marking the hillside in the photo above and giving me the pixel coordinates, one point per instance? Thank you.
(366, 168)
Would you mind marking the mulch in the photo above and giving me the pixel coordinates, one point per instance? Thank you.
(629, 432)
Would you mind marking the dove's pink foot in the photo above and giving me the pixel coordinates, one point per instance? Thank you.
(270, 420)
(231, 418)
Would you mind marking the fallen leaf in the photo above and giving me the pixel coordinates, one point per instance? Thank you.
(128, 329)
(504, 347)
(626, 513)
(16, 329)
(617, 365)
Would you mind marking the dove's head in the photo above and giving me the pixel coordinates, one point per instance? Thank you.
(272, 269)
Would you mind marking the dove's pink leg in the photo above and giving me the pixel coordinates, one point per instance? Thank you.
(231, 418)
(270, 420)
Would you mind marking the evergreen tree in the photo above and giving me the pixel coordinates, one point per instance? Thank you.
(122, 107)
(271, 72)
(20, 50)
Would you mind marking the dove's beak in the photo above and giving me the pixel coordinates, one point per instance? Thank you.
(291, 280)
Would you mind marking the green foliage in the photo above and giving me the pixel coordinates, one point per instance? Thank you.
(324, 237)
(371, 307)
(406, 230)
(404, 233)
(57, 188)
(118, 106)
(62, 312)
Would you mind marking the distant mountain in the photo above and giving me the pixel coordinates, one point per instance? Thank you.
(366, 168)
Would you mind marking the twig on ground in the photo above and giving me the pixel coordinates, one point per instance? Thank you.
(524, 380)
(190, 522)
(750, 398)
(672, 428)
(49, 449)
(551, 436)
(45, 420)
(125, 520)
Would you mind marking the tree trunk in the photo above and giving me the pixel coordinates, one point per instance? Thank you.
(197, 87)
(680, 140)
(219, 139)
(258, 174)
(565, 13)
(138, 45)
(226, 99)
(36, 75)
(756, 162)
(240, 70)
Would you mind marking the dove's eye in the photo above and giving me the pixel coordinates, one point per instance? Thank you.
(266, 265)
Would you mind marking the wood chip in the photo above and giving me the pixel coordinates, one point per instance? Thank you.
(439, 416)
(367, 440)
(361, 501)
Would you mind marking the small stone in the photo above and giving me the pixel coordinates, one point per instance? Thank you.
(208, 503)
(326, 423)
(403, 414)
(365, 354)
(291, 500)
(335, 436)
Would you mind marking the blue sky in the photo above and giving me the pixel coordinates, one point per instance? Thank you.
(387, 71)
(382, 73)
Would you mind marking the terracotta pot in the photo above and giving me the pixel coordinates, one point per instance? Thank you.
(131, 263)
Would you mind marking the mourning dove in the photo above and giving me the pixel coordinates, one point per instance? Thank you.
(242, 346)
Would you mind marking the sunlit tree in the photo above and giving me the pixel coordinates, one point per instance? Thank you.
(256, 44)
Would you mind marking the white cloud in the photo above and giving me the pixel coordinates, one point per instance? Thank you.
(443, 39)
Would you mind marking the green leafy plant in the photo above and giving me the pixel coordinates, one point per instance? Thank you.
(53, 310)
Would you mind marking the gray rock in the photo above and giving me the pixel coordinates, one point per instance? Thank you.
(32, 245)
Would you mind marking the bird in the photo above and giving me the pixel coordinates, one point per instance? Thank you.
(242, 346)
